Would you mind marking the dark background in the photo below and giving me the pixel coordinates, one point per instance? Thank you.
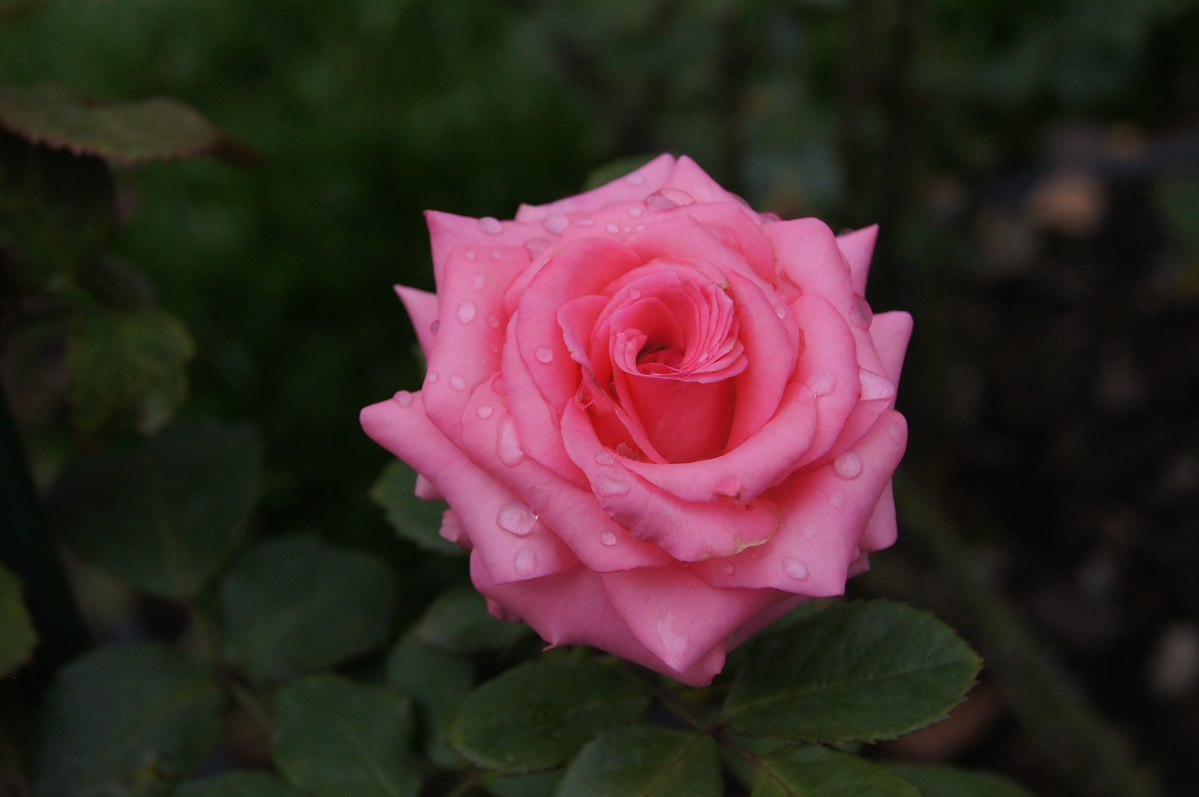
(1035, 170)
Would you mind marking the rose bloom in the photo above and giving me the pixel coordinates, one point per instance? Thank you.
(661, 419)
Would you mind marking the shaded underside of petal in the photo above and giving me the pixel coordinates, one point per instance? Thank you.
(422, 310)
(858, 248)
(572, 608)
(679, 617)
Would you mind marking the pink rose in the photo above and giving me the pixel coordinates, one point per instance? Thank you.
(661, 419)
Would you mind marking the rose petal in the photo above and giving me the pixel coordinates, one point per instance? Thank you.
(481, 503)
(634, 186)
(688, 531)
(823, 515)
(422, 310)
(466, 348)
(678, 616)
(806, 251)
(448, 231)
(891, 333)
(858, 248)
(566, 507)
(882, 530)
(572, 609)
(689, 177)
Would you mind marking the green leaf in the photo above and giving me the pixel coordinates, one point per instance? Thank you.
(859, 671)
(57, 213)
(337, 738)
(124, 719)
(535, 784)
(297, 604)
(166, 516)
(129, 132)
(17, 637)
(238, 784)
(416, 520)
(127, 364)
(818, 772)
(539, 714)
(457, 622)
(938, 781)
(645, 761)
(438, 683)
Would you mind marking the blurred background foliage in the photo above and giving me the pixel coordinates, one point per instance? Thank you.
(1035, 170)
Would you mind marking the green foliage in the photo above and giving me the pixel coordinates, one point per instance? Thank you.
(124, 720)
(819, 772)
(416, 520)
(238, 784)
(857, 672)
(457, 622)
(539, 714)
(297, 604)
(127, 364)
(17, 637)
(126, 132)
(942, 781)
(163, 517)
(438, 683)
(57, 213)
(644, 761)
(337, 738)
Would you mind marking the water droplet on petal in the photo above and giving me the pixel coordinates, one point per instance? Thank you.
(470, 254)
(467, 312)
(822, 382)
(497, 254)
(493, 322)
(608, 538)
(636, 212)
(457, 382)
(605, 458)
(555, 223)
(507, 447)
(498, 387)
(435, 326)
(607, 486)
(634, 293)
(536, 247)
(544, 355)
(875, 386)
(403, 398)
(729, 485)
(432, 377)
(780, 310)
(613, 228)
(526, 562)
(484, 411)
(516, 519)
(490, 225)
(729, 569)
(848, 465)
(668, 199)
(836, 499)
(636, 178)
(795, 568)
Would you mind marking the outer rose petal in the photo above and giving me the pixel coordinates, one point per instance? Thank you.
(858, 248)
(634, 186)
(422, 309)
(807, 253)
(891, 333)
(824, 515)
(481, 504)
